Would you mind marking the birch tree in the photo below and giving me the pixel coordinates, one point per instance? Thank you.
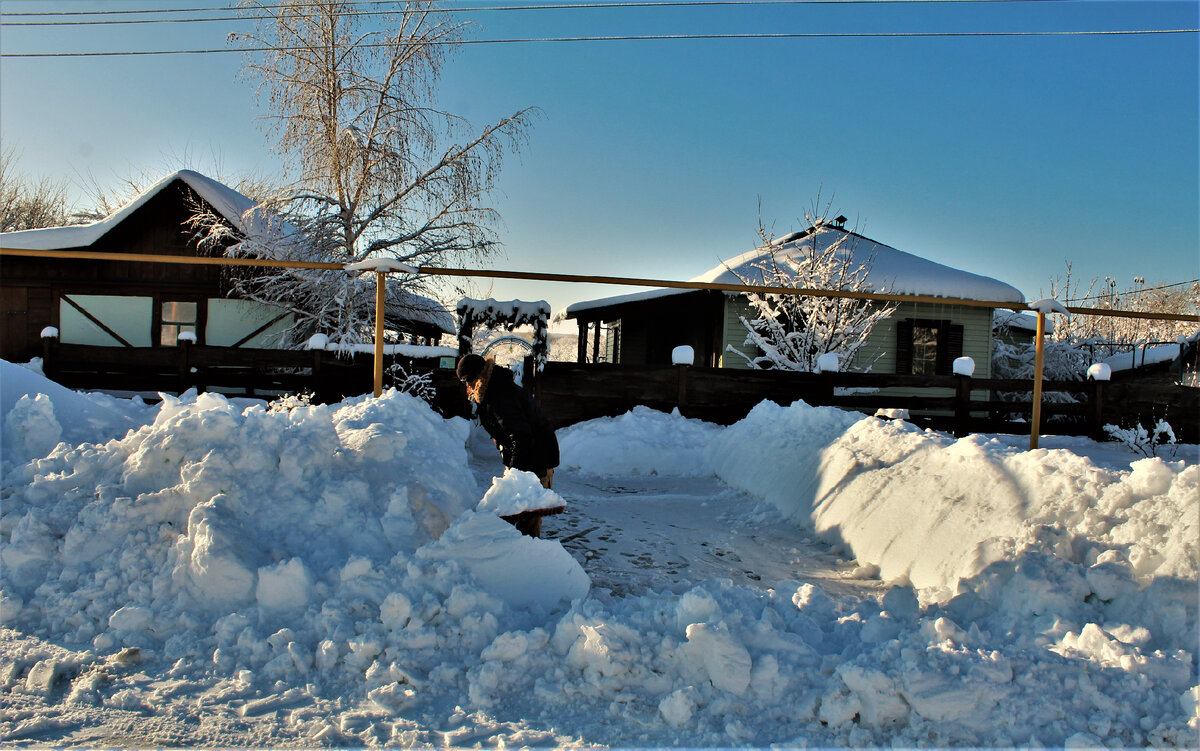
(379, 170)
(793, 331)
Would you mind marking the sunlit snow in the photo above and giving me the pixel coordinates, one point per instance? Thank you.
(207, 572)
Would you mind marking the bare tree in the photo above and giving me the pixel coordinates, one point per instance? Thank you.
(793, 331)
(26, 203)
(380, 171)
(1102, 336)
(105, 198)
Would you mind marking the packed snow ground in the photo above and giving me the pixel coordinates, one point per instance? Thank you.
(212, 573)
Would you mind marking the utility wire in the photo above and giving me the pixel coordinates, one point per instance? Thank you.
(554, 6)
(640, 38)
(1135, 291)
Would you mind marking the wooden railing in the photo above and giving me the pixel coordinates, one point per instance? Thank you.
(571, 393)
(238, 372)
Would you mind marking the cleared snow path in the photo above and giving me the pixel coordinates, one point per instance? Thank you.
(639, 534)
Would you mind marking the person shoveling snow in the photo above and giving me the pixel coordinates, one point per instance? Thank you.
(518, 428)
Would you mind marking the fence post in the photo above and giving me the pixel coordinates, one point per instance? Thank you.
(1097, 374)
(318, 387)
(49, 351)
(1039, 361)
(681, 395)
(184, 348)
(962, 405)
(1096, 408)
(682, 357)
(380, 302)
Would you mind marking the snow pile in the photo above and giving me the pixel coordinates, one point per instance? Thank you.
(935, 511)
(275, 541)
(332, 572)
(44, 413)
(1144, 356)
(516, 491)
(643, 441)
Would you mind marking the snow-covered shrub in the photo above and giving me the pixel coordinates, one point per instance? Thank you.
(1062, 361)
(419, 385)
(1147, 443)
(289, 402)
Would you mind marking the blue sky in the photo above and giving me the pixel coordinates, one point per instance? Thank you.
(1005, 156)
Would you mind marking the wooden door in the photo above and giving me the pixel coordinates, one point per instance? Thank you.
(14, 324)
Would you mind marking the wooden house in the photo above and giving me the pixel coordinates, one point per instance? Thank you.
(918, 338)
(110, 303)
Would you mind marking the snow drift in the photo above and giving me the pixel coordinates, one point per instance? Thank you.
(333, 572)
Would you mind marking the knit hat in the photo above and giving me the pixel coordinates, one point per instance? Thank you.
(469, 367)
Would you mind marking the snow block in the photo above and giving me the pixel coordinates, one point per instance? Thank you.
(683, 356)
(520, 570)
(724, 658)
(215, 567)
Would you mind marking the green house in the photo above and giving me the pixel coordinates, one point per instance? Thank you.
(922, 337)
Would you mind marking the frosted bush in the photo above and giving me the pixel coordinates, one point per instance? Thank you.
(1147, 443)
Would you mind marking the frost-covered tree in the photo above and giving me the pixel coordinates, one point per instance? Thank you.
(380, 171)
(105, 197)
(792, 331)
(1077, 341)
(26, 203)
(1062, 361)
(1102, 336)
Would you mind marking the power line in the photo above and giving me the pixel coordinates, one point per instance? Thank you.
(554, 6)
(641, 38)
(1136, 291)
(580, 278)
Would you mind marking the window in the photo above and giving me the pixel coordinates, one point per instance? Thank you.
(924, 350)
(927, 347)
(177, 318)
(105, 320)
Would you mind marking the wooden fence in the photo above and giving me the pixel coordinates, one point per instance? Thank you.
(239, 372)
(571, 393)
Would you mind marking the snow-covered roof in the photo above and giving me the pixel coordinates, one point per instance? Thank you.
(240, 211)
(230, 204)
(427, 310)
(892, 271)
(1015, 321)
(1154, 355)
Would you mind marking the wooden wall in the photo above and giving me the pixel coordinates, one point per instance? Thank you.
(32, 286)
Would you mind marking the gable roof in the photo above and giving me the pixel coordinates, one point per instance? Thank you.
(234, 207)
(240, 211)
(892, 271)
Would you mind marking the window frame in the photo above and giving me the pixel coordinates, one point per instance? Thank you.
(948, 345)
(159, 322)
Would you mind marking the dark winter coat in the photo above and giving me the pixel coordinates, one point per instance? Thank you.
(515, 422)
